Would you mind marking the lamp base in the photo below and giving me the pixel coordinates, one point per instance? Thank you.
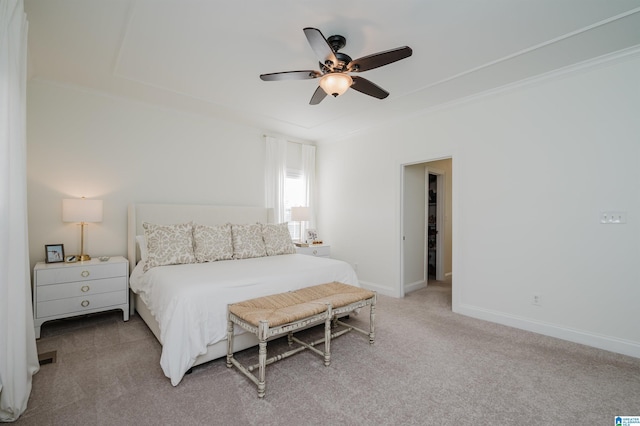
(83, 257)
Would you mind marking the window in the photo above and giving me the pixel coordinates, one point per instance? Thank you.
(290, 181)
(294, 195)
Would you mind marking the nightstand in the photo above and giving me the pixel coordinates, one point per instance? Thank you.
(63, 290)
(320, 250)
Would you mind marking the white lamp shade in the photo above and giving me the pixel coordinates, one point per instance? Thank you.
(81, 210)
(300, 214)
(335, 84)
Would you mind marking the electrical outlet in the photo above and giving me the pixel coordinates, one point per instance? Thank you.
(536, 299)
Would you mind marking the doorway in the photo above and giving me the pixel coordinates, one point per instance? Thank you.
(426, 226)
(434, 181)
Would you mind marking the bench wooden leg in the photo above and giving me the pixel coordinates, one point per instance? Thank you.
(263, 331)
(327, 336)
(262, 358)
(229, 342)
(372, 320)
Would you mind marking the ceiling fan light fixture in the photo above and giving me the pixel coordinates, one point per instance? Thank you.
(335, 84)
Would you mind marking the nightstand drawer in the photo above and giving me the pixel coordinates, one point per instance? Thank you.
(80, 272)
(79, 304)
(80, 288)
(320, 251)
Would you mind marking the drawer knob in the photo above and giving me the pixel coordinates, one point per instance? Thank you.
(84, 288)
(85, 303)
(315, 252)
(85, 274)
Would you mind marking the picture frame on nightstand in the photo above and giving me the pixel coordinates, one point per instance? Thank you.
(54, 253)
(312, 236)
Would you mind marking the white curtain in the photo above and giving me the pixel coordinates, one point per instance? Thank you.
(309, 176)
(275, 174)
(18, 352)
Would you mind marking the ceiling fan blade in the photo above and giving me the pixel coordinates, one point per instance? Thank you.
(321, 47)
(290, 75)
(379, 59)
(318, 96)
(363, 85)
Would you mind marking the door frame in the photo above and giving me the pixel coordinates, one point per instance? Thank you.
(401, 228)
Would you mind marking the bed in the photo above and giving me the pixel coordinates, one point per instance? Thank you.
(185, 305)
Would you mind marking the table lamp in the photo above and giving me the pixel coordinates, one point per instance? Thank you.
(300, 214)
(83, 211)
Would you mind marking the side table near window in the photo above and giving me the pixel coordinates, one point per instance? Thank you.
(63, 290)
(320, 250)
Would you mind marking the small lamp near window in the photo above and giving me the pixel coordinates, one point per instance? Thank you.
(83, 211)
(300, 214)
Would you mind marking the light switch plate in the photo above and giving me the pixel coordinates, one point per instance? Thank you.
(613, 218)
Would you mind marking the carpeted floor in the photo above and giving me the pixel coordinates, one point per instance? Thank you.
(428, 366)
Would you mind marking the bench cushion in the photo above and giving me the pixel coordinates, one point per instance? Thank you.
(338, 294)
(277, 309)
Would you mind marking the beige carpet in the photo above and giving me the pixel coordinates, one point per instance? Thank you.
(428, 367)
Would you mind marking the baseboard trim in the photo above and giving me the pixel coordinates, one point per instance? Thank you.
(408, 288)
(612, 344)
(387, 291)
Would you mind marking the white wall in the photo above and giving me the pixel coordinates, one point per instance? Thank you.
(85, 144)
(533, 169)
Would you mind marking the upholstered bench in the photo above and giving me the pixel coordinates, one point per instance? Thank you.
(272, 316)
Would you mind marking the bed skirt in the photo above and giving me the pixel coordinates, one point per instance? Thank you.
(215, 351)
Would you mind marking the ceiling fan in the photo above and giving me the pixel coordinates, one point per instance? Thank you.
(336, 66)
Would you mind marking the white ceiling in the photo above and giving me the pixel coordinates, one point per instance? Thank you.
(206, 56)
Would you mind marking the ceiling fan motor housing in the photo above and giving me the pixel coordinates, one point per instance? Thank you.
(343, 61)
(337, 42)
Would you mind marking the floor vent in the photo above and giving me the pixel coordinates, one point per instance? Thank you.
(47, 357)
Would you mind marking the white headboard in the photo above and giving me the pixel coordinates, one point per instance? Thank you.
(168, 214)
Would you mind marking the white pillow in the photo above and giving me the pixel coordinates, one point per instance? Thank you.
(247, 241)
(277, 239)
(142, 245)
(212, 243)
(168, 244)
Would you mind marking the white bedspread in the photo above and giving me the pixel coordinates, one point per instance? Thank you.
(189, 302)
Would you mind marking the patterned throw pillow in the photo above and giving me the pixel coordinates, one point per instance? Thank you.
(212, 242)
(168, 244)
(247, 241)
(277, 239)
